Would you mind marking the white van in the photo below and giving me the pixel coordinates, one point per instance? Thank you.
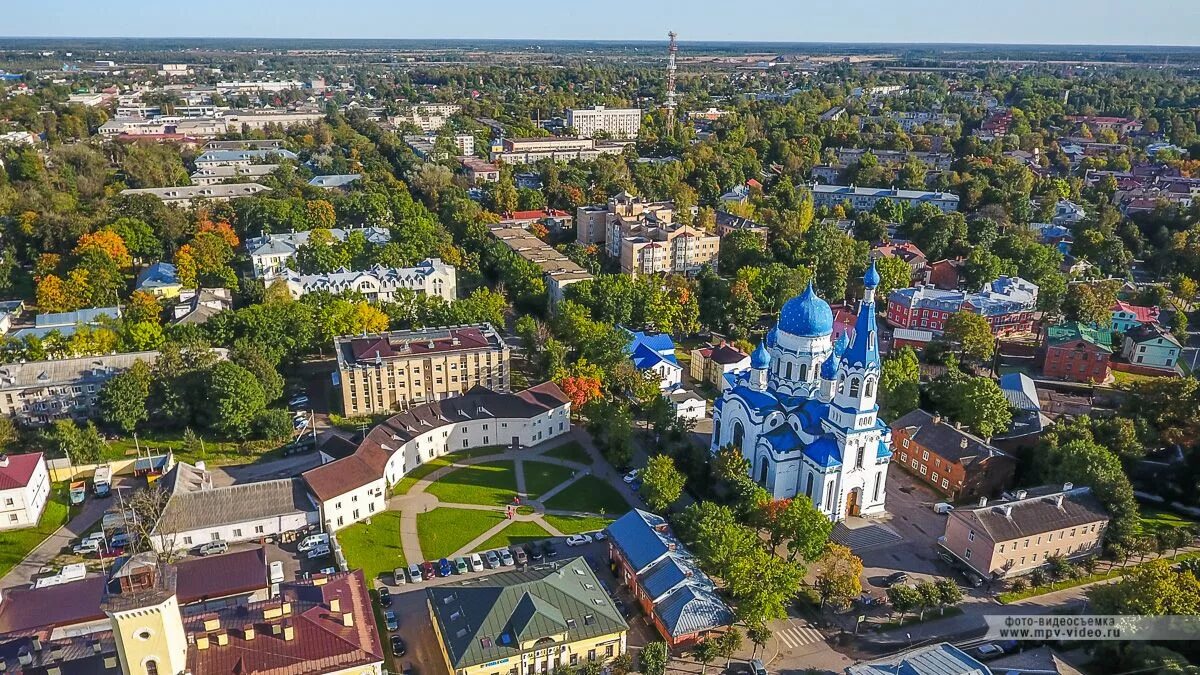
(276, 572)
(312, 541)
(943, 507)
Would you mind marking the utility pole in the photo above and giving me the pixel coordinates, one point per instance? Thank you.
(671, 50)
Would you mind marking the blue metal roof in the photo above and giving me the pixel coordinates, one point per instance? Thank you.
(783, 439)
(645, 358)
(824, 451)
(669, 573)
(1020, 391)
(691, 610)
(806, 315)
(864, 349)
(883, 450)
(635, 534)
(939, 659)
(158, 274)
(761, 401)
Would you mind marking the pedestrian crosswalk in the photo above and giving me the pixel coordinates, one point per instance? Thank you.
(798, 636)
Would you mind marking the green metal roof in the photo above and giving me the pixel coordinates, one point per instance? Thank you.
(1069, 332)
(485, 620)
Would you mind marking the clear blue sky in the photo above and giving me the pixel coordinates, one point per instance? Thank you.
(1150, 22)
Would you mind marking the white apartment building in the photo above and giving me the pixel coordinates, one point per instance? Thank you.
(37, 392)
(215, 175)
(864, 199)
(557, 148)
(271, 253)
(352, 488)
(242, 157)
(24, 489)
(430, 277)
(620, 123)
(184, 195)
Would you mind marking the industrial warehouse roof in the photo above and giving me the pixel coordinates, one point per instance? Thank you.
(195, 503)
(487, 619)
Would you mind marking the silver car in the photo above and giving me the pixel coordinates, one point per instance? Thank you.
(506, 558)
(491, 560)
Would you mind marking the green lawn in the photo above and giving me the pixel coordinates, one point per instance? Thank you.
(541, 477)
(375, 547)
(489, 484)
(590, 494)
(1153, 519)
(17, 544)
(1120, 377)
(213, 452)
(444, 531)
(419, 472)
(1014, 596)
(515, 534)
(572, 452)
(577, 524)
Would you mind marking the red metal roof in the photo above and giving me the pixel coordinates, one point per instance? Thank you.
(1142, 314)
(19, 470)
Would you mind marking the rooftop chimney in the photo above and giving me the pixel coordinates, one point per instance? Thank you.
(963, 443)
(1067, 487)
(1007, 510)
(1021, 494)
(1058, 500)
(983, 501)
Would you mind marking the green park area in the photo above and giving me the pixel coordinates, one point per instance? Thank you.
(374, 546)
(571, 452)
(577, 524)
(592, 495)
(487, 484)
(515, 534)
(444, 531)
(410, 479)
(541, 477)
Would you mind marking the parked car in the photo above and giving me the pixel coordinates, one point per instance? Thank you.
(757, 667)
(444, 568)
(111, 552)
(491, 560)
(895, 578)
(398, 646)
(328, 570)
(211, 548)
(86, 546)
(385, 597)
(943, 507)
(598, 535)
(518, 554)
(988, 651)
(318, 552)
(621, 607)
(533, 551)
(506, 558)
(548, 549)
(310, 541)
(122, 539)
(631, 476)
(276, 568)
(298, 401)
(974, 579)
(947, 558)
(399, 577)
(414, 573)
(460, 566)
(427, 572)
(390, 620)
(476, 562)
(578, 540)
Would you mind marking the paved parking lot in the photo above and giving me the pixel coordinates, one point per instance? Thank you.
(424, 655)
(910, 515)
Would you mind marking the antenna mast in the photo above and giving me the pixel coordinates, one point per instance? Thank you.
(671, 50)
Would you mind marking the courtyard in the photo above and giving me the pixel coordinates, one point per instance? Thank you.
(489, 498)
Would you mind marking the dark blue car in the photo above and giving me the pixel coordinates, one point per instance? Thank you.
(445, 569)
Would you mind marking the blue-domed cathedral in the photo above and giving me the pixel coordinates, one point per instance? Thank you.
(806, 415)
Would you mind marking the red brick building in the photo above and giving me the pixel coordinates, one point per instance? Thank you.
(1008, 304)
(946, 273)
(1077, 353)
(948, 459)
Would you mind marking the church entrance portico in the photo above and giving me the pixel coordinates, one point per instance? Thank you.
(853, 501)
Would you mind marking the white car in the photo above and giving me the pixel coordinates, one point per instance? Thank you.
(578, 540)
(414, 573)
(276, 572)
(476, 562)
(598, 535)
(631, 476)
(318, 552)
(312, 541)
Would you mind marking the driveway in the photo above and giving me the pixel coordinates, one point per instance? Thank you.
(276, 468)
(85, 519)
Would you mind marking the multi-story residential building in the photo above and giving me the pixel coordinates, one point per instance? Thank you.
(909, 120)
(611, 122)
(937, 161)
(1151, 345)
(247, 144)
(392, 371)
(427, 116)
(864, 199)
(479, 172)
(1016, 536)
(37, 392)
(1126, 317)
(679, 599)
(907, 251)
(558, 270)
(212, 158)
(553, 220)
(537, 620)
(557, 148)
(1077, 352)
(1122, 125)
(430, 277)
(271, 253)
(185, 195)
(24, 489)
(714, 363)
(349, 489)
(258, 119)
(727, 224)
(953, 462)
(166, 125)
(1008, 304)
(214, 175)
(645, 239)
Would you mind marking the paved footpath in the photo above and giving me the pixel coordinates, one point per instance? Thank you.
(417, 500)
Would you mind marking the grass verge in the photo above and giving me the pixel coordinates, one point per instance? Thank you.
(1014, 596)
(375, 547)
(17, 544)
(541, 477)
(592, 495)
(571, 452)
(436, 463)
(444, 531)
(1153, 520)
(577, 524)
(515, 534)
(487, 484)
(930, 615)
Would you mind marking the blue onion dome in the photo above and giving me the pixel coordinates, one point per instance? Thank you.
(761, 358)
(806, 315)
(773, 336)
(829, 368)
(871, 278)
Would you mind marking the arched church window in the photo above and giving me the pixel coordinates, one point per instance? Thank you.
(871, 340)
(804, 372)
(739, 434)
(762, 472)
(870, 386)
(862, 455)
(841, 384)
(809, 487)
(789, 370)
(854, 386)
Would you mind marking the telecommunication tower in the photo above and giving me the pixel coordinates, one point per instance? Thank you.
(671, 50)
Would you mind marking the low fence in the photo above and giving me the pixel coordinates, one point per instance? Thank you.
(1141, 369)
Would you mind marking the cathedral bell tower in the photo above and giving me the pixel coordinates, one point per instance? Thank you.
(855, 390)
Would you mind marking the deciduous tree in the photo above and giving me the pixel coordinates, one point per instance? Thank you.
(662, 483)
